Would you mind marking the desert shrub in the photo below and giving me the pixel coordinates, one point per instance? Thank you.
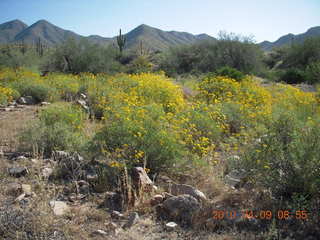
(299, 55)
(140, 64)
(285, 159)
(293, 76)
(59, 128)
(6, 95)
(231, 73)
(137, 136)
(81, 56)
(313, 72)
(200, 127)
(39, 92)
(207, 56)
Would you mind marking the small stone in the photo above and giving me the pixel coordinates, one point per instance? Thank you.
(157, 199)
(34, 160)
(171, 226)
(26, 189)
(18, 171)
(99, 232)
(14, 189)
(133, 219)
(20, 198)
(1, 153)
(28, 100)
(59, 207)
(46, 172)
(45, 103)
(116, 215)
(21, 158)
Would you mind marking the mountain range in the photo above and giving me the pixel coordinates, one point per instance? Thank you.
(152, 38)
(291, 38)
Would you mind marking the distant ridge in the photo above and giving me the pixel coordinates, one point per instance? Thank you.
(150, 38)
(9, 30)
(289, 38)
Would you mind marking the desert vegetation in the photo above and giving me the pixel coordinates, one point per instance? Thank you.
(196, 112)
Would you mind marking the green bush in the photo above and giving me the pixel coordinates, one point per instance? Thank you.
(39, 92)
(230, 72)
(141, 135)
(293, 76)
(59, 127)
(286, 159)
(313, 72)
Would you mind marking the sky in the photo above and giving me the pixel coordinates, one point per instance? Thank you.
(263, 19)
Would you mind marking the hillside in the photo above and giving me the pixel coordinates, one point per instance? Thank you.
(9, 30)
(156, 39)
(287, 39)
(152, 38)
(47, 32)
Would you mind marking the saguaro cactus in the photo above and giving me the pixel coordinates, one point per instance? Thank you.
(121, 40)
(39, 48)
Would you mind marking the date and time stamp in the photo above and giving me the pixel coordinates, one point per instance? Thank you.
(261, 214)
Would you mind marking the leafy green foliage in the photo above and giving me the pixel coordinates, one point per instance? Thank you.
(286, 158)
(81, 56)
(208, 56)
(231, 73)
(293, 76)
(60, 127)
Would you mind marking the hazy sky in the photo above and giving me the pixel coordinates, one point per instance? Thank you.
(264, 19)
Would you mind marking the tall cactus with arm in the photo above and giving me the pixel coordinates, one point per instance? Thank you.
(121, 40)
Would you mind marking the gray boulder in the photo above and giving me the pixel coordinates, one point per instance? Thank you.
(18, 171)
(182, 208)
(28, 100)
(236, 178)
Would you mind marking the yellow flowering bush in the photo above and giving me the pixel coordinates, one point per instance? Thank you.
(6, 95)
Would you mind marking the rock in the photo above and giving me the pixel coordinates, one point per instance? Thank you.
(99, 232)
(157, 199)
(20, 198)
(91, 177)
(44, 103)
(140, 179)
(1, 153)
(116, 215)
(18, 171)
(83, 104)
(171, 226)
(84, 187)
(21, 158)
(83, 96)
(28, 100)
(26, 189)
(7, 109)
(46, 172)
(167, 195)
(20, 106)
(180, 208)
(236, 178)
(179, 189)
(113, 201)
(59, 207)
(14, 189)
(133, 219)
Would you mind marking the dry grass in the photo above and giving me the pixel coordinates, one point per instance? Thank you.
(11, 124)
